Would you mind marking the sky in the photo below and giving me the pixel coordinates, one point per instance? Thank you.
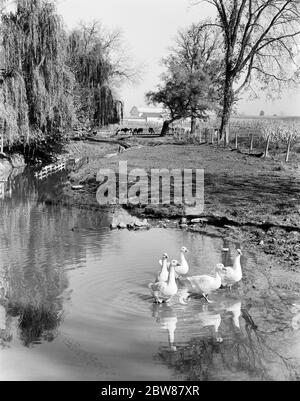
(148, 28)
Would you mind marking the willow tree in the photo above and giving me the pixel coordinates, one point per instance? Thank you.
(37, 87)
(259, 44)
(89, 59)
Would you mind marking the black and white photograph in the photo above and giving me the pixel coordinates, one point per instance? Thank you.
(149, 193)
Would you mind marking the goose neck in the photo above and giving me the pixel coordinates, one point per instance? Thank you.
(236, 321)
(218, 277)
(172, 275)
(237, 262)
(165, 265)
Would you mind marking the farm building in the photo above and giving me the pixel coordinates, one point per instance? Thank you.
(148, 114)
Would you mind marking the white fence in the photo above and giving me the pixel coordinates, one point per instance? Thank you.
(51, 169)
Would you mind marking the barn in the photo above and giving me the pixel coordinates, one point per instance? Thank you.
(148, 114)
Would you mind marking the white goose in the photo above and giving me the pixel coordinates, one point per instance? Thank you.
(203, 285)
(183, 267)
(164, 291)
(163, 275)
(231, 275)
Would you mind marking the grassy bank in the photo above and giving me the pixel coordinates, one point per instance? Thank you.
(256, 200)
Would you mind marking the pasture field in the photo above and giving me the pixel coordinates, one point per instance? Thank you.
(271, 134)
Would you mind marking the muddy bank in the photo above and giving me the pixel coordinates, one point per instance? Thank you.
(10, 165)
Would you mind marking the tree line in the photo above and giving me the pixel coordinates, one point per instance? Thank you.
(251, 46)
(52, 79)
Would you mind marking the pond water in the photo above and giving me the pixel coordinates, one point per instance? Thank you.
(79, 306)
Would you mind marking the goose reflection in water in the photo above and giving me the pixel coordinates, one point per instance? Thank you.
(235, 308)
(243, 346)
(167, 318)
(210, 319)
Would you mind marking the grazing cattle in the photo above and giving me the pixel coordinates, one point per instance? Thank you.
(151, 131)
(124, 131)
(140, 131)
(135, 131)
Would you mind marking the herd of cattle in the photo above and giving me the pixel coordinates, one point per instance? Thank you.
(149, 131)
(177, 132)
(135, 131)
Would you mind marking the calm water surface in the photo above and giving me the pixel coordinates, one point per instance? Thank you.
(79, 307)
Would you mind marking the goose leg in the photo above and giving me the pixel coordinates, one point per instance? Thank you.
(158, 301)
(206, 299)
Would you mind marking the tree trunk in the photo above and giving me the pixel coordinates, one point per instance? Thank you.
(165, 127)
(193, 125)
(236, 141)
(227, 109)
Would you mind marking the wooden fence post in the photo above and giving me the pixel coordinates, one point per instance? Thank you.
(2, 143)
(267, 147)
(251, 144)
(236, 141)
(288, 149)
